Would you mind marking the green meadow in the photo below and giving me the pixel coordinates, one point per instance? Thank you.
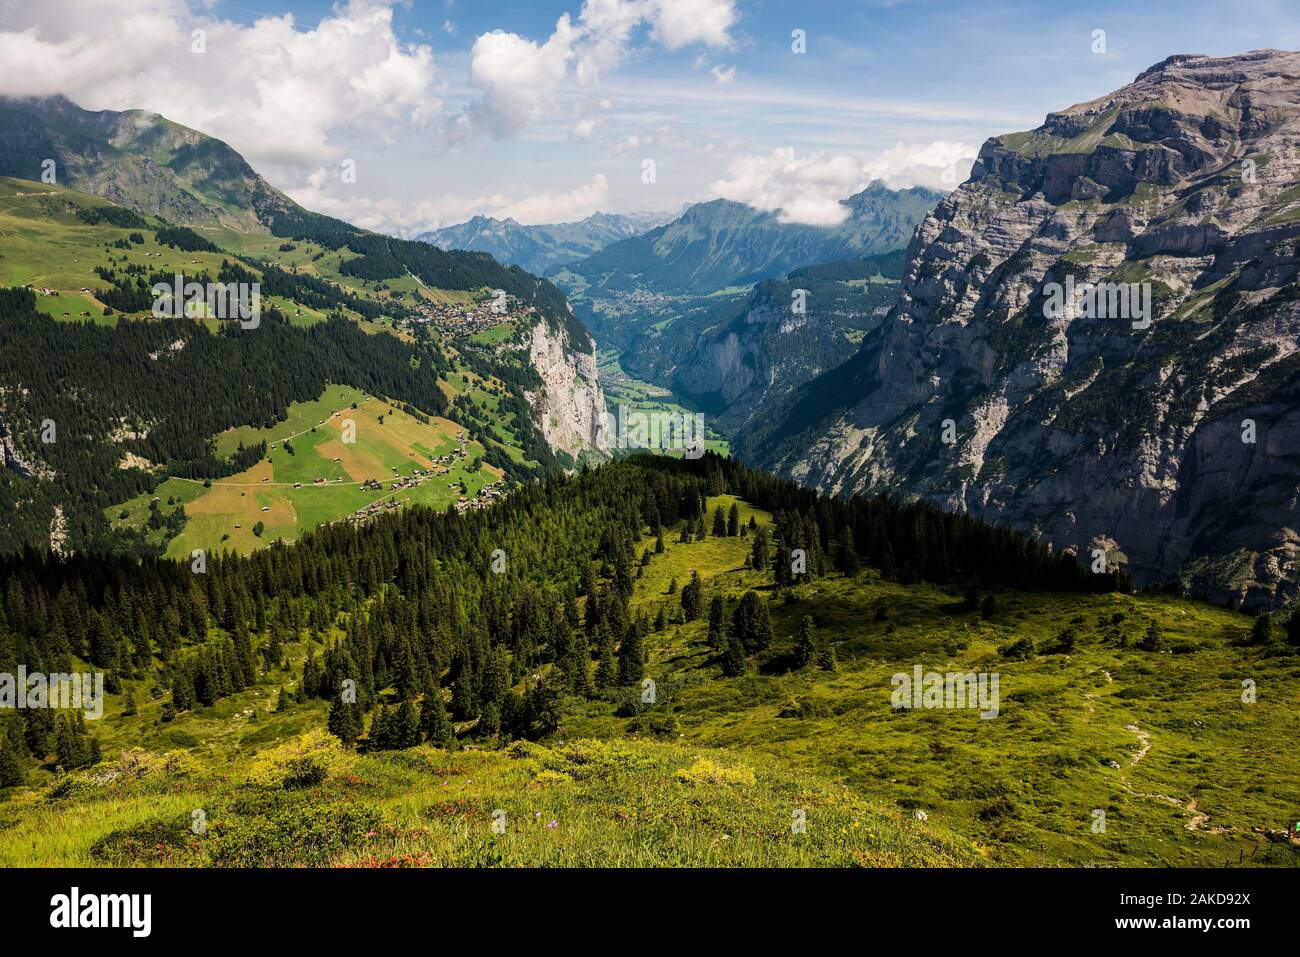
(312, 474)
(779, 767)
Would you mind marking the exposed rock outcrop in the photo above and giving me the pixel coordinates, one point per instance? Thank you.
(1177, 440)
(570, 404)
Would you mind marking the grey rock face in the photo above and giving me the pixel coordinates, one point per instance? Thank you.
(1080, 424)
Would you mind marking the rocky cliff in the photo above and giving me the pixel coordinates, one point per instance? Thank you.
(570, 405)
(1010, 383)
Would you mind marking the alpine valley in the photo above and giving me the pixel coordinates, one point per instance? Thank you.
(367, 581)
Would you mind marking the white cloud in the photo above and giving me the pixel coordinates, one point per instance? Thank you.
(517, 78)
(808, 189)
(805, 189)
(724, 76)
(679, 23)
(408, 218)
(941, 165)
(277, 93)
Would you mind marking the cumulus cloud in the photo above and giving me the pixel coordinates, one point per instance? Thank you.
(278, 92)
(724, 75)
(679, 23)
(517, 78)
(808, 189)
(941, 165)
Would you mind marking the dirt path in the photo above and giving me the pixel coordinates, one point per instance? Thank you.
(1144, 737)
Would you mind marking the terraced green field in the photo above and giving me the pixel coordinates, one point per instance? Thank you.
(320, 480)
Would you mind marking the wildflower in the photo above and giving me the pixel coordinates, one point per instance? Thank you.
(554, 823)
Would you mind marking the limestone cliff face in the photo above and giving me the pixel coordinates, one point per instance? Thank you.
(1178, 440)
(570, 404)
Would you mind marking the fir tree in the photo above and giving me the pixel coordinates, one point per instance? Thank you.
(719, 523)
(406, 727)
(631, 658)
(733, 521)
(435, 724)
(344, 721)
(11, 766)
(805, 648)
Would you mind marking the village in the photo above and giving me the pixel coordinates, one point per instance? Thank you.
(461, 321)
(486, 496)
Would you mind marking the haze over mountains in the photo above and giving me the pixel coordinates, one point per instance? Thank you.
(540, 248)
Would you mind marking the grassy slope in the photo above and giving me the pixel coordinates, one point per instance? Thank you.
(1017, 789)
(382, 452)
(44, 243)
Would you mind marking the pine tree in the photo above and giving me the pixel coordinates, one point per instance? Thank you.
(717, 639)
(805, 648)
(11, 766)
(758, 552)
(406, 727)
(733, 521)
(344, 721)
(692, 598)
(719, 523)
(826, 659)
(1293, 628)
(631, 657)
(751, 624)
(606, 668)
(381, 729)
(1261, 633)
(435, 724)
(659, 542)
(733, 659)
(489, 723)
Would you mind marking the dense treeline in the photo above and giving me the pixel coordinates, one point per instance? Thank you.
(185, 239)
(534, 591)
(113, 215)
(160, 390)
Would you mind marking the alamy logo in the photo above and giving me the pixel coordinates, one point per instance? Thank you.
(134, 911)
(1101, 300)
(953, 689)
(220, 300)
(34, 689)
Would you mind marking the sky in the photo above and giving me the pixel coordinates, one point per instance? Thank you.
(408, 116)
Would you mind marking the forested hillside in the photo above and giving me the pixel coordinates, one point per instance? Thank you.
(425, 641)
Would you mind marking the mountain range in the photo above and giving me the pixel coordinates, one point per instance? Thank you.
(540, 248)
(723, 243)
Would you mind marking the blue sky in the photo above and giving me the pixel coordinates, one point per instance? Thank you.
(550, 110)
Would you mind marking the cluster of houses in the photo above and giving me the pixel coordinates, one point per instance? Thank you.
(487, 495)
(458, 321)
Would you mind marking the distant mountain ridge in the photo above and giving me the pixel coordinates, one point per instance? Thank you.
(539, 248)
(723, 243)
